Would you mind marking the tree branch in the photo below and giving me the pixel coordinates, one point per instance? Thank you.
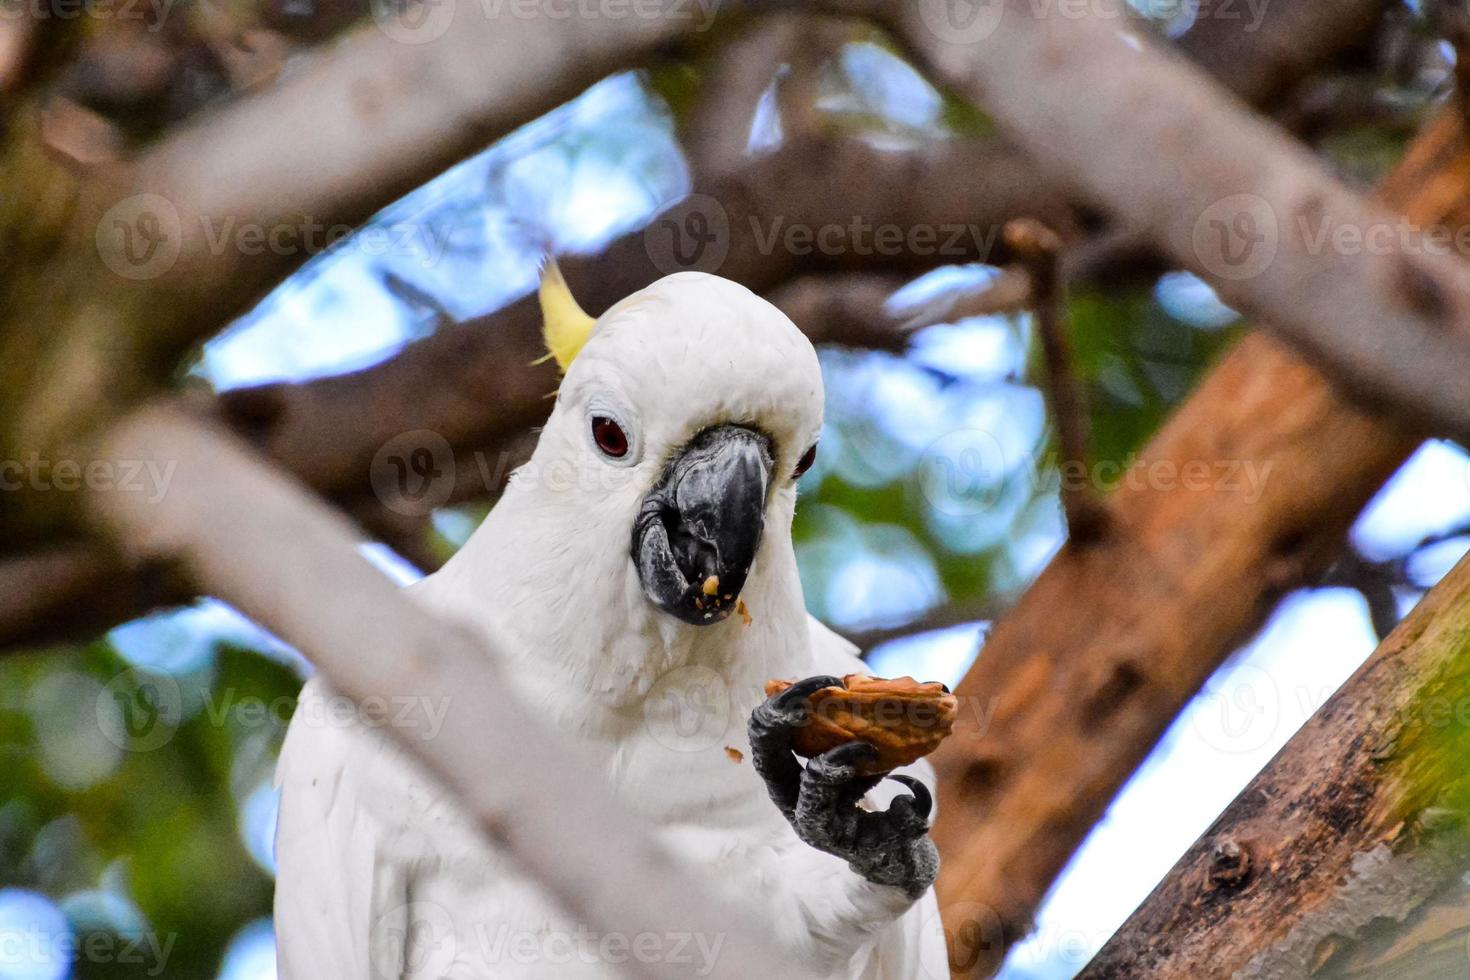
(360, 125)
(1039, 251)
(1359, 820)
(1228, 196)
(481, 404)
(321, 431)
(1102, 652)
(289, 562)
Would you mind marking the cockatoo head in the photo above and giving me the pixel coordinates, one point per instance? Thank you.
(686, 416)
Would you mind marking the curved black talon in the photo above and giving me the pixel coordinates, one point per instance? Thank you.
(922, 800)
(771, 726)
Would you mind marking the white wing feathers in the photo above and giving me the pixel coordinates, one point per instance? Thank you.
(339, 890)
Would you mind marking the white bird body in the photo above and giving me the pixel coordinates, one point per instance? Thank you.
(382, 877)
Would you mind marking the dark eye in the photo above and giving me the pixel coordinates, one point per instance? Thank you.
(805, 463)
(609, 436)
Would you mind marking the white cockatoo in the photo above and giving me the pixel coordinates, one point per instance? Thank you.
(658, 502)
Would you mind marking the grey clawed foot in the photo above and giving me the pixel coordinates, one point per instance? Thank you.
(891, 847)
(771, 726)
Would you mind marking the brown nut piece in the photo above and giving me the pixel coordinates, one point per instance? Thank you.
(901, 718)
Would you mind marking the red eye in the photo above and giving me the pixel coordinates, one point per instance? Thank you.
(609, 436)
(805, 463)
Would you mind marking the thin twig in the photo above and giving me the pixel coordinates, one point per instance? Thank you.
(1039, 249)
(1009, 292)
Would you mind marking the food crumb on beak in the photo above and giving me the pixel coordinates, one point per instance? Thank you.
(745, 616)
(711, 585)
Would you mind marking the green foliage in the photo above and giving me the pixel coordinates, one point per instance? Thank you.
(1136, 362)
(155, 830)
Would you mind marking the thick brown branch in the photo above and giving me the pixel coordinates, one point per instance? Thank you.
(1357, 822)
(1105, 648)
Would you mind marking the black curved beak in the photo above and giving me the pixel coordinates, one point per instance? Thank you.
(699, 527)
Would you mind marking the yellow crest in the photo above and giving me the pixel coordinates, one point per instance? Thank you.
(564, 325)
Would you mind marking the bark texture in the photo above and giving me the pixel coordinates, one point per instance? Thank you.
(1076, 684)
(1358, 823)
